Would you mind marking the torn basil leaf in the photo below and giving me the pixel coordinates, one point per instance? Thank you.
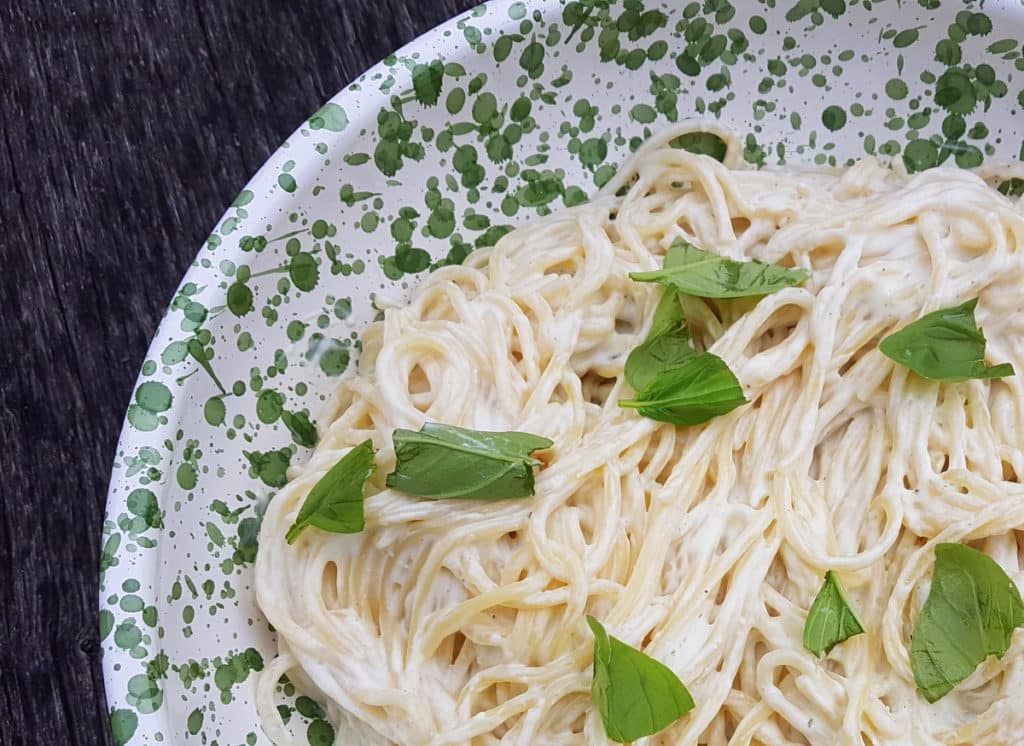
(668, 344)
(971, 612)
(696, 391)
(697, 272)
(636, 695)
(335, 503)
(831, 619)
(945, 345)
(443, 462)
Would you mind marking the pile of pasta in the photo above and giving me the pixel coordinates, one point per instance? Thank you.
(464, 621)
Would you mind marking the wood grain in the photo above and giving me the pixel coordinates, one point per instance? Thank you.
(127, 127)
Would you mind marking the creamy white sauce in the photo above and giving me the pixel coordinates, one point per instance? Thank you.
(452, 622)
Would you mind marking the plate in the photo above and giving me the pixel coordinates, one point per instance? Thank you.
(511, 111)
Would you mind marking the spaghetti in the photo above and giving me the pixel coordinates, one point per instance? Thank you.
(463, 622)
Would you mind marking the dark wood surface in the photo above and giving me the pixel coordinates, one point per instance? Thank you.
(127, 127)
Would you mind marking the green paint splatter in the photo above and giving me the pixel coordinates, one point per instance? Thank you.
(239, 298)
(593, 152)
(411, 260)
(833, 117)
(643, 113)
(802, 9)
(976, 24)
(131, 603)
(157, 668)
(246, 542)
(108, 557)
(968, 156)
(270, 467)
(330, 117)
(342, 308)
(1012, 187)
(195, 721)
(174, 353)
(309, 708)
(186, 476)
(303, 271)
(702, 143)
(214, 411)
(123, 724)
(905, 38)
(303, 431)
(202, 355)
(532, 59)
(455, 101)
(896, 89)
(106, 624)
(320, 733)
(503, 46)
(332, 355)
(143, 503)
(144, 694)
(541, 188)
(948, 52)
(427, 81)
(287, 182)
(215, 534)
(234, 670)
(688, 65)
(955, 92)
(269, 406)
(151, 398)
(920, 155)
(485, 108)
(127, 635)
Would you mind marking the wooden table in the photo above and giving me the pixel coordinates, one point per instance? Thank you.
(127, 127)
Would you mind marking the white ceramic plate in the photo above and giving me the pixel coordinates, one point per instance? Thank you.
(510, 111)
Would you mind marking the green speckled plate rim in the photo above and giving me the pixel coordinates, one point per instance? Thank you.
(119, 664)
(256, 334)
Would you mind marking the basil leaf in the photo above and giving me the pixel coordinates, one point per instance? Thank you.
(944, 345)
(635, 694)
(668, 344)
(697, 272)
(443, 461)
(335, 503)
(970, 613)
(697, 390)
(831, 619)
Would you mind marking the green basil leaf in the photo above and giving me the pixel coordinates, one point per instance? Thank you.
(697, 390)
(831, 619)
(335, 503)
(697, 272)
(970, 613)
(945, 345)
(442, 461)
(668, 344)
(635, 694)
